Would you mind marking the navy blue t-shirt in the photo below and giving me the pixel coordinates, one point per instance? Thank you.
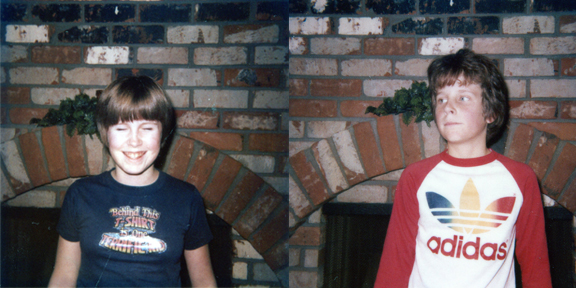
(133, 236)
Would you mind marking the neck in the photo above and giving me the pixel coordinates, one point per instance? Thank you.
(457, 151)
(146, 178)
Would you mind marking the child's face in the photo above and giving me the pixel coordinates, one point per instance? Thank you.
(460, 116)
(134, 147)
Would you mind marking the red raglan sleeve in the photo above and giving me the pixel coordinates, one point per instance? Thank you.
(531, 247)
(399, 247)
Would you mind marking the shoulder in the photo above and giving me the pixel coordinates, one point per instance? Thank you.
(176, 185)
(424, 165)
(517, 169)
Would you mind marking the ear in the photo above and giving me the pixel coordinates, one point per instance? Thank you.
(490, 119)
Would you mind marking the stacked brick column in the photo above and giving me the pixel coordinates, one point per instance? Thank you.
(347, 55)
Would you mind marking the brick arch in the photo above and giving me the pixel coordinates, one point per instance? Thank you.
(230, 190)
(368, 149)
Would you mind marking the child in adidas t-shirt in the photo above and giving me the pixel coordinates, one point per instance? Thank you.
(460, 217)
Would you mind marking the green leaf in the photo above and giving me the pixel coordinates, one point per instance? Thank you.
(412, 102)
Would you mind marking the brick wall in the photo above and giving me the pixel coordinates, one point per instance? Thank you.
(347, 55)
(225, 67)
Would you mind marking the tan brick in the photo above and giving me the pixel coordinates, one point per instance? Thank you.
(20, 115)
(270, 99)
(298, 201)
(543, 153)
(298, 87)
(365, 194)
(335, 46)
(336, 87)
(323, 129)
(52, 96)
(179, 98)
(107, 55)
(309, 25)
(311, 257)
(298, 45)
(568, 110)
(498, 45)
(516, 88)
(189, 34)
(568, 66)
(389, 142)
(553, 45)
(251, 33)
(384, 88)
(87, 76)
(552, 88)
(303, 278)
(36, 198)
(533, 109)
(192, 77)
(14, 164)
(28, 33)
(14, 53)
(33, 75)
(294, 257)
(567, 24)
(15, 95)
(349, 158)
(268, 142)
(245, 250)
(5, 188)
(197, 119)
(561, 171)
(389, 46)
(439, 46)
(240, 270)
(257, 163)
(313, 66)
(312, 108)
(412, 67)
(361, 26)
(529, 67)
(267, 55)
(220, 99)
(528, 25)
(162, 55)
(564, 131)
(521, 142)
(366, 67)
(220, 140)
(250, 120)
(357, 108)
(297, 129)
(220, 55)
(329, 166)
(57, 54)
(310, 179)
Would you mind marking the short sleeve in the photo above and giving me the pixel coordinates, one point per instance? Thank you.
(198, 233)
(67, 225)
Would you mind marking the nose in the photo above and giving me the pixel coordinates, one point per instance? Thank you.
(135, 139)
(449, 107)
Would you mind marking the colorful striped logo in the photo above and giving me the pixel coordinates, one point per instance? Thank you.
(469, 218)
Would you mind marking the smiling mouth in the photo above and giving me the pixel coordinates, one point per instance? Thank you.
(134, 155)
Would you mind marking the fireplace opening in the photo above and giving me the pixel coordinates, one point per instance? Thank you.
(355, 234)
(29, 241)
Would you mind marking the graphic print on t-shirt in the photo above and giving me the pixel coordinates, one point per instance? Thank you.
(135, 225)
(469, 218)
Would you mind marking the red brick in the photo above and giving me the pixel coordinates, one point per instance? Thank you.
(564, 131)
(33, 159)
(568, 66)
(277, 257)
(309, 177)
(357, 108)
(568, 200)
(272, 232)
(521, 142)
(533, 109)
(336, 87)
(560, 173)
(312, 108)
(298, 87)
(15, 95)
(268, 142)
(389, 142)
(239, 197)
(215, 191)
(410, 142)
(24, 115)
(568, 109)
(389, 46)
(258, 212)
(220, 140)
(181, 154)
(259, 77)
(368, 149)
(197, 119)
(57, 54)
(202, 167)
(307, 236)
(54, 154)
(75, 156)
(543, 154)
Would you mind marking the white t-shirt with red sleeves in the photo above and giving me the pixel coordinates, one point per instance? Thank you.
(457, 223)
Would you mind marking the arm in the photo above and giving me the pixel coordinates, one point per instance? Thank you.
(531, 247)
(67, 264)
(399, 248)
(199, 267)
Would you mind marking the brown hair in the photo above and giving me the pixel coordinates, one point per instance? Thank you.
(476, 69)
(133, 98)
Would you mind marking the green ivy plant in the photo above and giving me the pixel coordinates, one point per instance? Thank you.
(77, 114)
(413, 102)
